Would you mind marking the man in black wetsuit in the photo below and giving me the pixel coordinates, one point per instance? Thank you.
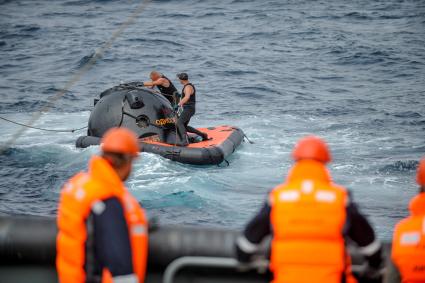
(164, 85)
(188, 103)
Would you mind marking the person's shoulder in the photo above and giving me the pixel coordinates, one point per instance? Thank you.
(189, 87)
(404, 223)
(110, 205)
(162, 80)
(340, 187)
(273, 194)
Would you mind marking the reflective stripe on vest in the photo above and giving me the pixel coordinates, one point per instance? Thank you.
(408, 248)
(308, 217)
(79, 196)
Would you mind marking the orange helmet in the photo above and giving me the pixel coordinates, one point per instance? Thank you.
(311, 147)
(420, 177)
(120, 140)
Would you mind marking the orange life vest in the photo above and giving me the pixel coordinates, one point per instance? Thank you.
(308, 213)
(408, 249)
(77, 199)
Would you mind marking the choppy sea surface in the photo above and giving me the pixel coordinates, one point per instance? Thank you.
(352, 72)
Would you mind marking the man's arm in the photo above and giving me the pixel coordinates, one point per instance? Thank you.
(359, 230)
(160, 81)
(258, 228)
(188, 91)
(112, 240)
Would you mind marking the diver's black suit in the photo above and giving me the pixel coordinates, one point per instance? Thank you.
(183, 120)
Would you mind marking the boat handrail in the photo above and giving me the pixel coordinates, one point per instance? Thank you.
(200, 261)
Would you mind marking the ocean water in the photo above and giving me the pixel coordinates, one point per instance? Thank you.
(352, 72)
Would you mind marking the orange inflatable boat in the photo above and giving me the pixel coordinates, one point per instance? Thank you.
(223, 141)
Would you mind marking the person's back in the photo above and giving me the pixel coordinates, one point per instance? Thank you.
(192, 98)
(164, 85)
(102, 233)
(308, 215)
(310, 219)
(170, 91)
(408, 248)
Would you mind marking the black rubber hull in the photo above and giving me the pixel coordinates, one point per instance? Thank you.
(190, 155)
(198, 156)
(28, 250)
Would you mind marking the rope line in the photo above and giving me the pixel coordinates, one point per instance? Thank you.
(246, 137)
(75, 78)
(44, 129)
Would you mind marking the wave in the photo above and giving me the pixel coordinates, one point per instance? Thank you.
(238, 72)
(338, 90)
(333, 78)
(23, 106)
(16, 35)
(20, 32)
(6, 1)
(85, 2)
(237, 113)
(400, 166)
(357, 16)
(83, 61)
(362, 58)
(29, 28)
(176, 199)
(68, 95)
(414, 123)
(407, 114)
(177, 16)
(336, 50)
(335, 111)
(260, 34)
(396, 17)
(156, 41)
(59, 14)
(212, 14)
(30, 198)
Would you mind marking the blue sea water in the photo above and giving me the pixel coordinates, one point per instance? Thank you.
(352, 72)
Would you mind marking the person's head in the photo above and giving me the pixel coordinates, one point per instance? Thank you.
(420, 176)
(312, 148)
(120, 147)
(183, 78)
(155, 75)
